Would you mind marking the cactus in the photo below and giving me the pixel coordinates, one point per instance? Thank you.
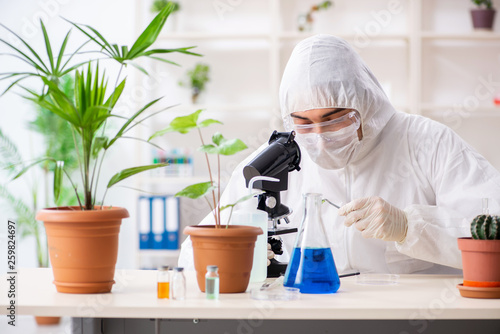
(485, 227)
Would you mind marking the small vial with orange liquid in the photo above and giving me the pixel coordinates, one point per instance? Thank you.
(163, 282)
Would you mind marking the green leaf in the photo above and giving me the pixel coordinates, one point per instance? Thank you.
(207, 122)
(218, 138)
(242, 199)
(196, 190)
(122, 175)
(58, 176)
(181, 124)
(209, 148)
(232, 146)
(26, 168)
(223, 145)
(47, 46)
(115, 95)
(149, 35)
(29, 47)
(163, 60)
(61, 50)
(180, 50)
(99, 144)
(140, 68)
(130, 120)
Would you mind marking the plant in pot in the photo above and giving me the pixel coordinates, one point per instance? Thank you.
(483, 16)
(24, 208)
(197, 79)
(83, 239)
(481, 257)
(230, 247)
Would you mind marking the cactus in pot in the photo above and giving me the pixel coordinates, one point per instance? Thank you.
(485, 227)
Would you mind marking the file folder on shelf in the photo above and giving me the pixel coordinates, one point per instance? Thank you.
(171, 237)
(159, 222)
(145, 233)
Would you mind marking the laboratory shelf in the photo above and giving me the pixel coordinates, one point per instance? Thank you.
(438, 110)
(211, 36)
(291, 35)
(474, 35)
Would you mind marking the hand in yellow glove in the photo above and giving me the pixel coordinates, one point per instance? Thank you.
(376, 218)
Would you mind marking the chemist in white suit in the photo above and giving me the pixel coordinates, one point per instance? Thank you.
(410, 185)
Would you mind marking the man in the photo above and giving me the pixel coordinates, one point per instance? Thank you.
(411, 185)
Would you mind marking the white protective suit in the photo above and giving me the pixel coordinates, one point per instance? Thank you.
(413, 163)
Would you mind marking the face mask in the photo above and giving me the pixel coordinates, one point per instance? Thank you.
(331, 150)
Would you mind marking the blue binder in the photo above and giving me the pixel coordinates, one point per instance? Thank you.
(145, 223)
(171, 236)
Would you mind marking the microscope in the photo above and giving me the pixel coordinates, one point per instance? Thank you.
(281, 157)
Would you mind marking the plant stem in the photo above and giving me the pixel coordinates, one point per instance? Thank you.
(217, 222)
(210, 206)
(74, 187)
(218, 188)
(230, 214)
(98, 174)
(104, 153)
(79, 164)
(103, 197)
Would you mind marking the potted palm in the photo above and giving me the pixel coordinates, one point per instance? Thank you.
(481, 258)
(483, 15)
(230, 247)
(24, 208)
(83, 239)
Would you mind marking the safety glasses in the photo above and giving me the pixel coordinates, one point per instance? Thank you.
(351, 118)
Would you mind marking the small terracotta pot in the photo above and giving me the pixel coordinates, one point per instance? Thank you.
(483, 19)
(83, 247)
(481, 262)
(47, 320)
(231, 249)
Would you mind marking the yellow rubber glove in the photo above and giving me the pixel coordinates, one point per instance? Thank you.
(376, 218)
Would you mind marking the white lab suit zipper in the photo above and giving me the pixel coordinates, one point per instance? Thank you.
(348, 197)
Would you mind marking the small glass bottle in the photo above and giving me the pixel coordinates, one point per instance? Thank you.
(178, 284)
(212, 282)
(163, 279)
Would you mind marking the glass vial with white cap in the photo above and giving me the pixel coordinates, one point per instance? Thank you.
(178, 284)
(212, 282)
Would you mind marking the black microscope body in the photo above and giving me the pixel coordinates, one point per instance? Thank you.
(281, 157)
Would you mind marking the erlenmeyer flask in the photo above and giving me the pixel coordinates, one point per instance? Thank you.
(312, 268)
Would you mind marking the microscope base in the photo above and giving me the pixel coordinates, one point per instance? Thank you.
(276, 268)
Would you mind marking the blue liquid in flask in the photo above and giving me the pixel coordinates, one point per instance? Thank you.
(318, 271)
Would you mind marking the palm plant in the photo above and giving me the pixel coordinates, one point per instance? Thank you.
(57, 143)
(88, 113)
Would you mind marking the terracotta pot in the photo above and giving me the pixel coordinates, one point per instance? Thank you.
(482, 19)
(83, 247)
(47, 320)
(481, 262)
(231, 249)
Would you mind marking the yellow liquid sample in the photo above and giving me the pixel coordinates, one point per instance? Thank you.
(163, 290)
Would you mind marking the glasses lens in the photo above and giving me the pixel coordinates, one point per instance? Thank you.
(331, 125)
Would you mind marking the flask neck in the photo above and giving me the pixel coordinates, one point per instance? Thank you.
(312, 206)
(312, 232)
